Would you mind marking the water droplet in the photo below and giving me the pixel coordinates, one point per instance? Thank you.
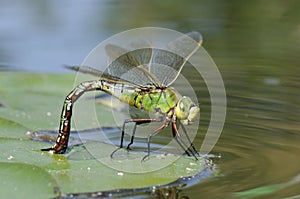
(10, 157)
(120, 173)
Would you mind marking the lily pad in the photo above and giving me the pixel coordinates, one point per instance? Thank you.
(19, 180)
(11, 129)
(79, 171)
(32, 102)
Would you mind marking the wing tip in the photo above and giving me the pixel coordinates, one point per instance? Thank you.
(196, 36)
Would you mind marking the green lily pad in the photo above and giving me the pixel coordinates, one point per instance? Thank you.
(35, 101)
(31, 102)
(79, 171)
(11, 129)
(19, 180)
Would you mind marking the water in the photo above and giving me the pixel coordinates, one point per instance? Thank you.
(260, 140)
(255, 45)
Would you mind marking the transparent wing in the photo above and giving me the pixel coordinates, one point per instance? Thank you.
(104, 76)
(86, 70)
(114, 51)
(131, 65)
(147, 66)
(167, 64)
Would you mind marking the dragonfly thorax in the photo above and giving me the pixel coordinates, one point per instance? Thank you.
(186, 110)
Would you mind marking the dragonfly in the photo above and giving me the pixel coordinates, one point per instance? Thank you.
(141, 78)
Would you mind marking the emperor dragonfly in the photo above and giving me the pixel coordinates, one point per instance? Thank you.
(137, 78)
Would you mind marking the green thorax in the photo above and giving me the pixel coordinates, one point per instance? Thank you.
(150, 100)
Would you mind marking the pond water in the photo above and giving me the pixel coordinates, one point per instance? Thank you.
(255, 44)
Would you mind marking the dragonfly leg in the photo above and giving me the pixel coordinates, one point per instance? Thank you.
(188, 138)
(137, 121)
(134, 129)
(156, 131)
(123, 132)
(122, 137)
(176, 137)
(181, 143)
(61, 143)
(132, 136)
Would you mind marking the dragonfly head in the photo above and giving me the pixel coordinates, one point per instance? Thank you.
(186, 110)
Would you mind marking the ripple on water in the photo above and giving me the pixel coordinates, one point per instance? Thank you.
(259, 145)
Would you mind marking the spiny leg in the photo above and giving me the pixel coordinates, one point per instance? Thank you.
(61, 143)
(181, 143)
(156, 131)
(122, 136)
(132, 137)
(123, 132)
(188, 138)
(175, 136)
(137, 121)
